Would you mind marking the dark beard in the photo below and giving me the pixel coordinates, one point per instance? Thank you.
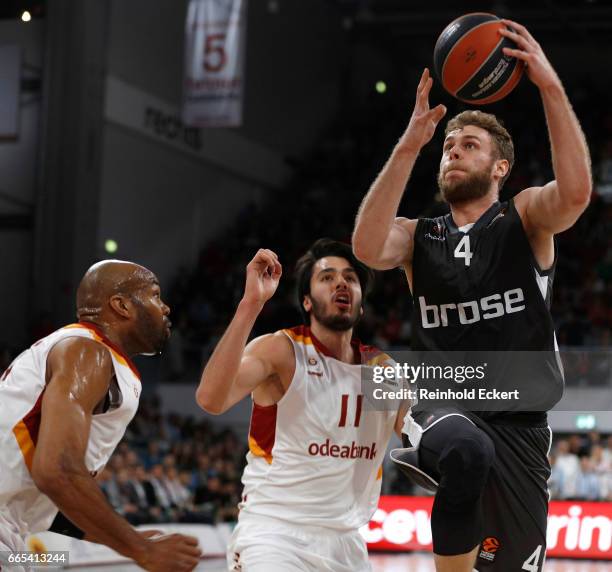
(340, 323)
(475, 186)
(151, 332)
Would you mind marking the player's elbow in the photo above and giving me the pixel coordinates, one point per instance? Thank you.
(363, 251)
(581, 197)
(49, 479)
(209, 403)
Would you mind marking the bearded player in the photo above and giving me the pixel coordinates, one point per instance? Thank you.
(64, 406)
(481, 279)
(315, 451)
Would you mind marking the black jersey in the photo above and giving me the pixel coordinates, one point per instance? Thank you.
(482, 291)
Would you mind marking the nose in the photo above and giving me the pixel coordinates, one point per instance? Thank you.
(454, 152)
(166, 310)
(341, 283)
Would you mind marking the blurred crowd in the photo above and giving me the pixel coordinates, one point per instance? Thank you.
(582, 468)
(174, 469)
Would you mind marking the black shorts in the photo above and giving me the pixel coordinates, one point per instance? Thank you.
(515, 498)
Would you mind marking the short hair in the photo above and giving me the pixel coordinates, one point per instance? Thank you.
(320, 249)
(503, 145)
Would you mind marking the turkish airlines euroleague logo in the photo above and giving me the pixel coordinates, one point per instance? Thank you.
(490, 544)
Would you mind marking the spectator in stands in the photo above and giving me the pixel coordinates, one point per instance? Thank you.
(109, 487)
(588, 486)
(162, 497)
(153, 455)
(569, 468)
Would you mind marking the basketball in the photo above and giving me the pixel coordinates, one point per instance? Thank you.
(470, 62)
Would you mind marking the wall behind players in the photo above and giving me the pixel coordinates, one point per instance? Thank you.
(18, 180)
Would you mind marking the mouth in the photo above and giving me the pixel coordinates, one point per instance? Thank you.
(342, 300)
(168, 325)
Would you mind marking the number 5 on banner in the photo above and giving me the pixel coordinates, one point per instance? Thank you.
(215, 57)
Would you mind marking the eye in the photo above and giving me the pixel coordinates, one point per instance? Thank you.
(327, 277)
(350, 278)
(470, 145)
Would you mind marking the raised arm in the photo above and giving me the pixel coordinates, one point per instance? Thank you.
(234, 369)
(79, 373)
(381, 239)
(557, 205)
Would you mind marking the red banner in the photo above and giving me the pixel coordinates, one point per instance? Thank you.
(575, 529)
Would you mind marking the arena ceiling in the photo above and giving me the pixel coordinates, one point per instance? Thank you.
(410, 18)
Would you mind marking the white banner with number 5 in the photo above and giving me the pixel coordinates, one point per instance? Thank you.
(214, 63)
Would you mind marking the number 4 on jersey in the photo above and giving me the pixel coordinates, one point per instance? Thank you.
(531, 564)
(463, 250)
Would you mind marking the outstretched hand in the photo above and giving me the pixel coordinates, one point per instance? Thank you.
(538, 68)
(424, 120)
(262, 276)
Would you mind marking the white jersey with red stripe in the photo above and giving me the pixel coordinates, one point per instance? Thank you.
(315, 457)
(22, 506)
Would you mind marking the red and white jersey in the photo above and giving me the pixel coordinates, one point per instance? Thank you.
(315, 457)
(22, 387)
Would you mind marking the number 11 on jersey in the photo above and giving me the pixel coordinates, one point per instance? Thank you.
(463, 250)
(344, 410)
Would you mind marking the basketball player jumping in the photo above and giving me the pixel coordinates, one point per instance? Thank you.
(65, 404)
(314, 467)
(480, 278)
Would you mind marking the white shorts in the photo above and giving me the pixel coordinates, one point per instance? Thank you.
(11, 541)
(264, 544)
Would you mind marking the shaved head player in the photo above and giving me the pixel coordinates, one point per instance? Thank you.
(481, 279)
(64, 406)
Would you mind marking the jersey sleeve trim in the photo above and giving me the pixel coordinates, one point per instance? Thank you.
(262, 432)
(26, 432)
(99, 336)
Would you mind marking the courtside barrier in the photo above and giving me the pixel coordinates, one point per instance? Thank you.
(575, 529)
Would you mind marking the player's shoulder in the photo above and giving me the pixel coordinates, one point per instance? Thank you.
(79, 349)
(80, 356)
(521, 199)
(407, 224)
(522, 202)
(372, 355)
(274, 346)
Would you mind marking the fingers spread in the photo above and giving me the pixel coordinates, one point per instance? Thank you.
(424, 78)
(518, 54)
(520, 29)
(516, 38)
(437, 113)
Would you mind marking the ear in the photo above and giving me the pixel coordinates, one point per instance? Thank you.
(501, 168)
(120, 305)
(307, 303)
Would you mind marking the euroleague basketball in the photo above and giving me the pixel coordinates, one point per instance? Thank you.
(470, 62)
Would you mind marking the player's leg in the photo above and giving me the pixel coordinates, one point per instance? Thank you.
(266, 545)
(515, 501)
(344, 552)
(266, 558)
(456, 563)
(458, 455)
